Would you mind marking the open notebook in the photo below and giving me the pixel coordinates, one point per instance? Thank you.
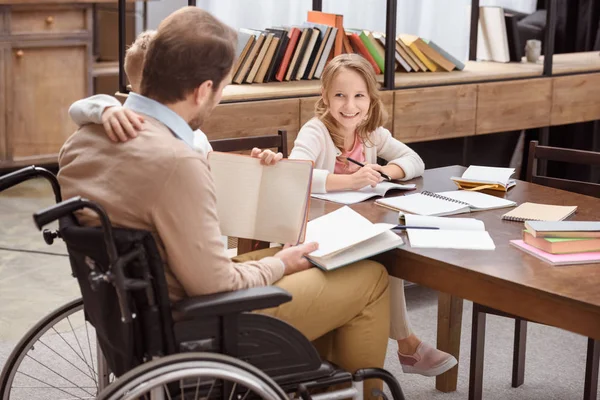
(344, 236)
(478, 178)
(255, 201)
(445, 203)
(453, 233)
(356, 196)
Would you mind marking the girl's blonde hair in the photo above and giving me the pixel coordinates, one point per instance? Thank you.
(376, 115)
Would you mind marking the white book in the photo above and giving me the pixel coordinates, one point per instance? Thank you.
(492, 39)
(486, 177)
(452, 233)
(444, 203)
(262, 202)
(344, 236)
(356, 196)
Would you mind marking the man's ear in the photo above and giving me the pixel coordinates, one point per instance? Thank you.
(203, 92)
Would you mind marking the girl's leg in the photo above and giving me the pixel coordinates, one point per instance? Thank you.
(415, 356)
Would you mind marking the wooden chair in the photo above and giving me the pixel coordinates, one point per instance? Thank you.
(240, 144)
(536, 153)
(565, 155)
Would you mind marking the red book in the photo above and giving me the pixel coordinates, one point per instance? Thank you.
(294, 35)
(362, 50)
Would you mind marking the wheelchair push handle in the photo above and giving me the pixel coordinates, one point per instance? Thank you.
(14, 178)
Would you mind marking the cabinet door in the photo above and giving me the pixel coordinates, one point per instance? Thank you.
(44, 81)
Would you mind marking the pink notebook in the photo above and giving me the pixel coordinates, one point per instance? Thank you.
(558, 259)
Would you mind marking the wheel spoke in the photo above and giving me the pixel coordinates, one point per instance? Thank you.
(55, 387)
(79, 344)
(73, 365)
(87, 333)
(51, 370)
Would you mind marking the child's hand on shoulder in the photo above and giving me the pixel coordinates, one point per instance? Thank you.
(366, 176)
(121, 124)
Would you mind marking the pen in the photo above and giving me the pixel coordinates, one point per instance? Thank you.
(414, 227)
(362, 165)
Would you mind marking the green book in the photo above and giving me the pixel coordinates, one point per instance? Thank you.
(379, 60)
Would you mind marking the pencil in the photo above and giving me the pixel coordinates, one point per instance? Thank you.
(362, 165)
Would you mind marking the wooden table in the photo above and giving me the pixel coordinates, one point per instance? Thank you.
(506, 279)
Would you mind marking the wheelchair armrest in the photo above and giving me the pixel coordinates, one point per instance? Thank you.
(230, 302)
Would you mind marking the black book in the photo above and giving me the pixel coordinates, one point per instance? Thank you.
(515, 47)
(279, 53)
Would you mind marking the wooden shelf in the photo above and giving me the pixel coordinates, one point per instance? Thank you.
(105, 68)
(576, 62)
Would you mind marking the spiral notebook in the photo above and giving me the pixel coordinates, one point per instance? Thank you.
(444, 203)
(539, 212)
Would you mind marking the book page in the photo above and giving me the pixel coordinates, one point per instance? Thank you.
(450, 239)
(340, 230)
(423, 205)
(237, 183)
(283, 201)
(479, 201)
(478, 173)
(356, 196)
(378, 244)
(467, 224)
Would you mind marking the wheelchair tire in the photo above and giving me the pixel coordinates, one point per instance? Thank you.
(26, 376)
(187, 369)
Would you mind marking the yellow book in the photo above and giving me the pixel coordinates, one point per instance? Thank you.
(409, 40)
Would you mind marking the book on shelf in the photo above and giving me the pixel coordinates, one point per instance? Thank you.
(429, 52)
(539, 212)
(254, 201)
(515, 48)
(444, 203)
(369, 43)
(492, 40)
(268, 37)
(412, 55)
(294, 36)
(451, 233)
(562, 245)
(311, 41)
(334, 20)
(317, 53)
(400, 62)
(344, 236)
(356, 196)
(246, 65)
(557, 259)
(361, 49)
(326, 53)
(564, 229)
(457, 63)
(478, 177)
(298, 52)
(409, 41)
(406, 57)
(279, 53)
(244, 44)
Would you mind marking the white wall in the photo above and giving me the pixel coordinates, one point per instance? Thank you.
(446, 22)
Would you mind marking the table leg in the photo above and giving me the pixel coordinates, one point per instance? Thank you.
(448, 337)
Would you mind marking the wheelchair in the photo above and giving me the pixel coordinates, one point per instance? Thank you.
(204, 347)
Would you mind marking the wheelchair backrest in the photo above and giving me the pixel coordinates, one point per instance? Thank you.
(150, 332)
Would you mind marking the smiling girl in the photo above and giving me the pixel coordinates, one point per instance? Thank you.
(348, 123)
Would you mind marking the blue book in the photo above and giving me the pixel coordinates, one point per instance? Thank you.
(459, 65)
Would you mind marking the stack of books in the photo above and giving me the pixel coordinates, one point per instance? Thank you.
(562, 242)
(301, 52)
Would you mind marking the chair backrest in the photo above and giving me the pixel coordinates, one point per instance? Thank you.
(278, 141)
(537, 152)
(122, 284)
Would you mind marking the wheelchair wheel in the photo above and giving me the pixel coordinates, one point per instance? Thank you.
(56, 359)
(194, 376)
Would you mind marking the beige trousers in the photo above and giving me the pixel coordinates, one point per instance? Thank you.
(345, 312)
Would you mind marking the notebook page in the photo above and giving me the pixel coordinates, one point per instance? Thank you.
(341, 229)
(450, 239)
(423, 205)
(356, 196)
(467, 224)
(479, 201)
(488, 174)
(283, 201)
(237, 184)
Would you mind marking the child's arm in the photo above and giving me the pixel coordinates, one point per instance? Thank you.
(403, 162)
(119, 123)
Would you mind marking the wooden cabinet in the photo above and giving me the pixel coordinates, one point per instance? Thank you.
(46, 63)
(575, 99)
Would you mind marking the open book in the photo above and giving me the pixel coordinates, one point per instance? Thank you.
(344, 236)
(444, 203)
(255, 201)
(356, 196)
(478, 178)
(452, 233)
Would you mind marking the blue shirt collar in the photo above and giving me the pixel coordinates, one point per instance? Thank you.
(163, 114)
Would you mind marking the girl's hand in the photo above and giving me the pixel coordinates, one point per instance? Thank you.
(267, 157)
(121, 124)
(367, 175)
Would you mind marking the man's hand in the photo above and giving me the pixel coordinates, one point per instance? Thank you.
(293, 257)
(121, 124)
(367, 175)
(267, 157)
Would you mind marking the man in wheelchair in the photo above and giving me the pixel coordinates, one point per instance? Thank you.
(158, 183)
